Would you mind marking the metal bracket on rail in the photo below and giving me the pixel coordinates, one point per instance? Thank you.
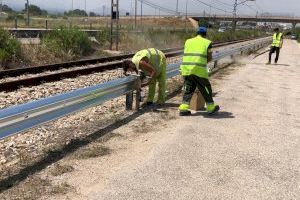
(130, 95)
(138, 93)
(129, 100)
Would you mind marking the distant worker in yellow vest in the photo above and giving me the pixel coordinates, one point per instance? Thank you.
(152, 62)
(197, 54)
(276, 45)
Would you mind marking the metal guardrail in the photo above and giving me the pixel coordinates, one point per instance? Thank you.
(19, 118)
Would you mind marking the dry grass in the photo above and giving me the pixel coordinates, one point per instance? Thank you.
(40, 55)
(59, 170)
(97, 22)
(143, 127)
(108, 137)
(33, 188)
(91, 152)
(167, 116)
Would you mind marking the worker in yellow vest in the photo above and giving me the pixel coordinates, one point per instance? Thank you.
(276, 45)
(152, 63)
(197, 54)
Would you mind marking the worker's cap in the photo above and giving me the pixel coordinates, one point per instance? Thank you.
(202, 29)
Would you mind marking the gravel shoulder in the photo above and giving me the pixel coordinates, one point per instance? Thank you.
(248, 151)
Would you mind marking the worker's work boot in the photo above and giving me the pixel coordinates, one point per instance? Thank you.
(212, 108)
(268, 63)
(184, 113)
(149, 103)
(184, 110)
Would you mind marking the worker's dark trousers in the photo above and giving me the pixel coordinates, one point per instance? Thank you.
(203, 85)
(272, 50)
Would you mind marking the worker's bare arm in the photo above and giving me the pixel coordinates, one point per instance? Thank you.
(145, 66)
(209, 53)
(281, 42)
(209, 56)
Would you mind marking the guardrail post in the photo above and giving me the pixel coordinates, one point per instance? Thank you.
(129, 101)
(215, 63)
(16, 22)
(46, 24)
(138, 93)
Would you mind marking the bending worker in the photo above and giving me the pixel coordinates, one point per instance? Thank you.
(194, 70)
(276, 45)
(152, 63)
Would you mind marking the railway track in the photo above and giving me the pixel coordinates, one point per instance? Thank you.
(99, 65)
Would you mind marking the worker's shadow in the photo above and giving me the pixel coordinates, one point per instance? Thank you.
(218, 115)
(75, 144)
(278, 64)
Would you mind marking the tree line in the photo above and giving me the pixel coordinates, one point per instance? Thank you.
(35, 10)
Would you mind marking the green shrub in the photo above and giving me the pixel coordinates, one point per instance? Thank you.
(68, 41)
(10, 48)
(103, 36)
(229, 35)
(11, 17)
(298, 34)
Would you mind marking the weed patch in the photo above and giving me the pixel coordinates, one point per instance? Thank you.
(70, 41)
(92, 152)
(33, 188)
(10, 48)
(61, 169)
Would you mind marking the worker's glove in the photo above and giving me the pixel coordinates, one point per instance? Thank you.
(146, 81)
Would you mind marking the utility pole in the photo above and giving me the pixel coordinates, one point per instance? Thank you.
(103, 10)
(114, 24)
(235, 5)
(234, 14)
(186, 13)
(177, 8)
(1, 5)
(27, 13)
(85, 7)
(141, 10)
(71, 14)
(135, 13)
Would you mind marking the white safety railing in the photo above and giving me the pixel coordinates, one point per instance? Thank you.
(19, 118)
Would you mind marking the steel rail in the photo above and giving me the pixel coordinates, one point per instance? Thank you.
(114, 63)
(66, 65)
(19, 118)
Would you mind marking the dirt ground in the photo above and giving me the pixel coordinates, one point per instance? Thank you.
(250, 150)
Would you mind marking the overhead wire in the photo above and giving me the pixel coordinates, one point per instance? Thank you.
(211, 6)
(153, 5)
(223, 3)
(250, 7)
(259, 7)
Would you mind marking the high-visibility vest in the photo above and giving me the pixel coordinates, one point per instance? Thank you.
(154, 55)
(276, 39)
(195, 57)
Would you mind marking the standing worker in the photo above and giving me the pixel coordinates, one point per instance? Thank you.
(197, 54)
(276, 45)
(152, 62)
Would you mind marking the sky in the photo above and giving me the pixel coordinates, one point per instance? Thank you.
(276, 7)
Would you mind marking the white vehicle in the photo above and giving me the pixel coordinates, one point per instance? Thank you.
(222, 29)
(294, 37)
